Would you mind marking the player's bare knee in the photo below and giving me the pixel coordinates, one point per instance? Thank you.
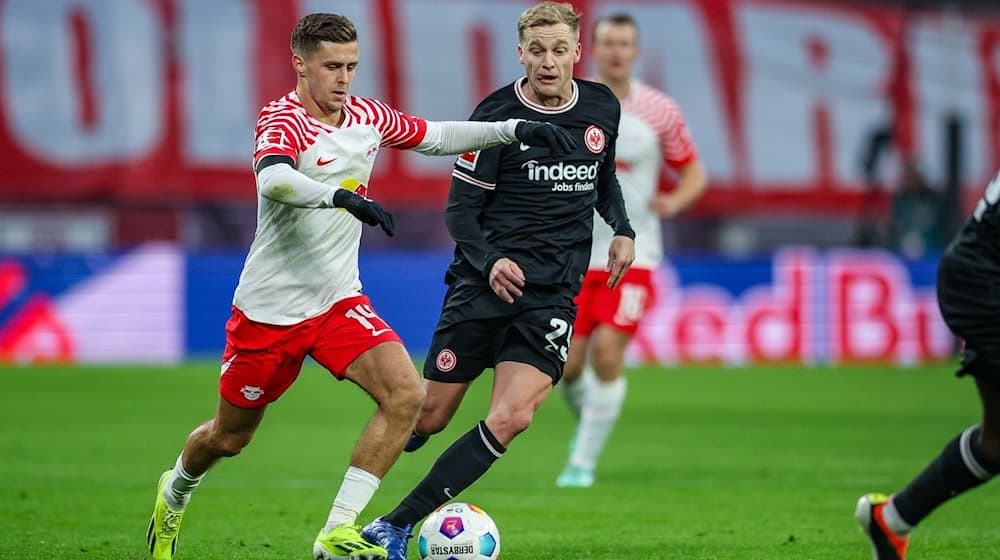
(406, 401)
(572, 372)
(229, 444)
(400, 398)
(506, 425)
(429, 424)
(607, 368)
(608, 353)
(434, 416)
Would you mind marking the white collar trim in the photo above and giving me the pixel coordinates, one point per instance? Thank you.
(542, 108)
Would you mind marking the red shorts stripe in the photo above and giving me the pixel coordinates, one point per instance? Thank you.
(621, 308)
(261, 361)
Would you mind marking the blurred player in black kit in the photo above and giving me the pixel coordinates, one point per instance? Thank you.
(522, 220)
(968, 289)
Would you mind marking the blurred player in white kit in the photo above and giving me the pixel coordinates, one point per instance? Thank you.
(652, 132)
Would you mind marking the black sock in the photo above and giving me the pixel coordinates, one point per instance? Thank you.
(458, 467)
(958, 468)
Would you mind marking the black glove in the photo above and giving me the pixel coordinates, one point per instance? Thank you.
(554, 137)
(364, 209)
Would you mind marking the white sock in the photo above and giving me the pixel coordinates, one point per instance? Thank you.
(598, 416)
(576, 392)
(355, 492)
(177, 491)
(895, 521)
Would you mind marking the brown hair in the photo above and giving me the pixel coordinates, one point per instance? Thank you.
(316, 28)
(548, 13)
(620, 18)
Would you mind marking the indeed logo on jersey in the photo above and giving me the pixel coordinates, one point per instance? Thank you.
(583, 174)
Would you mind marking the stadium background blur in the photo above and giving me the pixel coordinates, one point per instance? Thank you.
(127, 200)
(127, 204)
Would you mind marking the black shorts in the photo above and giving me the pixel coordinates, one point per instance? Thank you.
(537, 331)
(969, 297)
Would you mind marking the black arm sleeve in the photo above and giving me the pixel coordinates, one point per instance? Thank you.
(465, 205)
(610, 204)
(270, 160)
(273, 159)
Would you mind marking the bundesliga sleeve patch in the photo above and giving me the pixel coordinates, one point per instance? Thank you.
(273, 138)
(468, 160)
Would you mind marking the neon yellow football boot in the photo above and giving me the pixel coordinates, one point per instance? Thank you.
(164, 526)
(344, 542)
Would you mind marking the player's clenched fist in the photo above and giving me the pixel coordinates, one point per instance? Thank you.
(365, 209)
(547, 135)
(506, 280)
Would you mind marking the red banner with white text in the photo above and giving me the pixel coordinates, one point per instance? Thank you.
(155, 100)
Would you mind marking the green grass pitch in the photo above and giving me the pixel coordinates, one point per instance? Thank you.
(706, 463)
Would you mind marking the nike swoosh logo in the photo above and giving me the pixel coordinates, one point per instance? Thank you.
(447, 492)
(380, 331)
(524, 148)
(320, 161)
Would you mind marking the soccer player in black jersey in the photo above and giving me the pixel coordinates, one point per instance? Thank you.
(968, 289)
(522, 219)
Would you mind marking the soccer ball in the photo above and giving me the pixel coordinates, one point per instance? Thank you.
(458, 531)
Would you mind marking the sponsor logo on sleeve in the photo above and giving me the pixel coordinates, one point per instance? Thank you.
(468, 160)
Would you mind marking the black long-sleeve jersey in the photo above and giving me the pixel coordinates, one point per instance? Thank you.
(529, 205)
(978, 242)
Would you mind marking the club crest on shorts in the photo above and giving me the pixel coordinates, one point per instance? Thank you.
(594, 138)
(446, 360)
(251, 393)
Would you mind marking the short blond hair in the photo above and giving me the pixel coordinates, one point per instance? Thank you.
(548, 13)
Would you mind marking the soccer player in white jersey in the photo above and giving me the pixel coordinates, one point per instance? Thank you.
(652, 131)
(299, 293)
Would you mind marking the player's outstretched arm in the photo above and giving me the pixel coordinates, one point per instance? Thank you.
(456, 137)
(279, 181)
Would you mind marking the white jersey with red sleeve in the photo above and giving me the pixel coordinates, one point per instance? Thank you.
(304, 260)
(652, 131)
